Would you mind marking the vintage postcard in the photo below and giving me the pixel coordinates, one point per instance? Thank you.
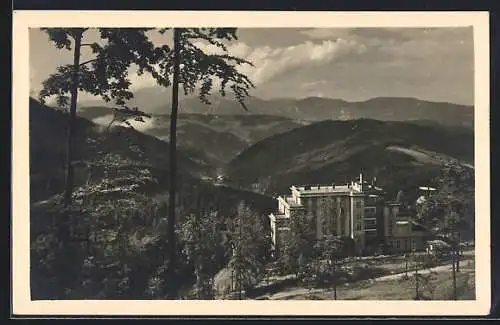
(250, 163)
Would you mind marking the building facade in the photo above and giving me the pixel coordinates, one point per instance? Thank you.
(336, 210)
(357, 211)
(401, 232)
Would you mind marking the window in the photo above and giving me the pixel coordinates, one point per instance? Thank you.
(406, 244)
(398, 244)
(370, 211)
(371, 223)
(413, 244)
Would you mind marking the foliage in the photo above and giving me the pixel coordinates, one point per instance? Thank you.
(329, 259)
(194, 69)
(298, 251)
(450, 210)
(115, 251)
(201, 236)
(199, 69)
(119, 193)
(106, 75)
(249, 244)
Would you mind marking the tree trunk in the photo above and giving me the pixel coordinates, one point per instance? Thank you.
(334, 279)
(239, 269)
(406, 264)
(417, 294)
(173, 158)
(454, 275)
(68, 190)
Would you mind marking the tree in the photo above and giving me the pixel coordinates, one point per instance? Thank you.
(450, 210)
(423, 281)
(299, 247)
(331, 252)
(201, 237)
(105, 75)
(248, 241)
(196, 70)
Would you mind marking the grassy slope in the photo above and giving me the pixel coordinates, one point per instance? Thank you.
(385, 281)
(404, 289)
(333, 151)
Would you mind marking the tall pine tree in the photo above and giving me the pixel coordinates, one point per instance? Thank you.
(197, 71)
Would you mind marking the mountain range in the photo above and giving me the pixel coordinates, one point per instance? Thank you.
(310, 108)
(217, 133)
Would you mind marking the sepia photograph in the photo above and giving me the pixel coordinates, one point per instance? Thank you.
(201, 162)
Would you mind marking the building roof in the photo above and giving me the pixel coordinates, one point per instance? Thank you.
(426, 188)
(415, 225)
(438, 243)
(326, 189)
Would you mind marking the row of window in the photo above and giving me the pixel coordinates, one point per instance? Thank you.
(370, 223)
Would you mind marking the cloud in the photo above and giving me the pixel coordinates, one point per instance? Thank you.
(103, 121)
(269, 62)
(356, 63)
(145, 80)
(325, 33)
(312, 84)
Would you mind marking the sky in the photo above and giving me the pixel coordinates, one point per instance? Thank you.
(353, 64)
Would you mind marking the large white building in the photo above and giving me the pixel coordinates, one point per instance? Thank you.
(336, 209)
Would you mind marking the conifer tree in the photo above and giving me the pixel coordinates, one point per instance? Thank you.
(188, 67)
(248, 242)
